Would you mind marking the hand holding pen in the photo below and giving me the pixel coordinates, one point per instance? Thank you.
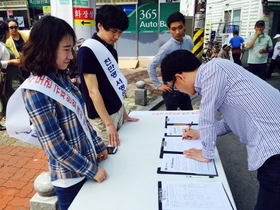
(189, 133)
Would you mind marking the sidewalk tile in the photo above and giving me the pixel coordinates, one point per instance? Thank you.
(8, 191)
(13, 161)
(5, 157)
(30, 195)
(7, 150)
(15, 151)
(2, 147)
(35, 164)
(28, 152)
(26, 190)
(9, 207)
(30, 175)
(5, 200)
(19, 174)
(40, 155)
(19, 202)
(2, 181)
(7, 171)
(23, 161)
(18, 184)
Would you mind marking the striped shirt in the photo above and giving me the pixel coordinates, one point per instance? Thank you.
(170, 46)
(69, 152)
(250, 108)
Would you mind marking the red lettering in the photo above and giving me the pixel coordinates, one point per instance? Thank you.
(57, 89)
(40, 80)
(62, 94)
(48, 83)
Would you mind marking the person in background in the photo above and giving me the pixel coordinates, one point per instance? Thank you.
(73, 69)
(237, 47)
(274, 61)
(173, 99)
(103, 84)
(16, 41)
(72, 156)
(259, 45)
(9, 65)
(249, 107)
(224, 53)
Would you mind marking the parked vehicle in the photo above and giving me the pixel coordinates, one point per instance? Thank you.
(211, 51)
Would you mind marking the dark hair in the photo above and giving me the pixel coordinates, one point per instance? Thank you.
(12, 20)
(110, 16)
(177, 62)
(3, 29)
(177, 16)
(235, 32)
(39, 52)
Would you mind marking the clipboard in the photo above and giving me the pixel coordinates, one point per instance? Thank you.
(168, 139)
(185, 173)
(164, 195)
(178, 124)
(161, 152)
(211, 171)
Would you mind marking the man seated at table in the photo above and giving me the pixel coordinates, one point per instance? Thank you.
(249, 106)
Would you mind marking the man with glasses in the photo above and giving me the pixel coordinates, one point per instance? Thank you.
(102, 83)
(172, 97)
(259, 45)
(249, 106)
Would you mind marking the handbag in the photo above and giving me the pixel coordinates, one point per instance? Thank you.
(277, 58)
(2, 83)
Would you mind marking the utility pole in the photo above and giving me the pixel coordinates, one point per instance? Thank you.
(78, 14)
(198, 35)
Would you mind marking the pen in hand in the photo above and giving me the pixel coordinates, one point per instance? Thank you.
(190, 125)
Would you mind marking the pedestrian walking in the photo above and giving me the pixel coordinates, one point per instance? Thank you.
(237, 47)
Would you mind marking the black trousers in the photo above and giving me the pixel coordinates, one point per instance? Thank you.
(272, 66)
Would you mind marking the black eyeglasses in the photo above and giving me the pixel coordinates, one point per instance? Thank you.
(173, 83)
(174, 80)
(13, 27)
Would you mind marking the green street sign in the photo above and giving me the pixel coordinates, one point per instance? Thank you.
(38, 3)
(148, 17)
(80, 3)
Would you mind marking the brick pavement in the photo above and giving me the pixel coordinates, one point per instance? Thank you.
(20, 164)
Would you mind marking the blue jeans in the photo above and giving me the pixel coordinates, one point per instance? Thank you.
(258, 69)
(175, 99)
(66, 195)
(269, 185)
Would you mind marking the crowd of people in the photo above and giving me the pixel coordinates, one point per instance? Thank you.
(75, 143)
(259, 46)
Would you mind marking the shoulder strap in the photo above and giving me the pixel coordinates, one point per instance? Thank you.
(21, 129)
(109, 65)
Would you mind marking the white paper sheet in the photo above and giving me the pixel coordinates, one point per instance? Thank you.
(193, 195)
(176, 130)
(182, 119)
(176, 144)
(178, 163)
